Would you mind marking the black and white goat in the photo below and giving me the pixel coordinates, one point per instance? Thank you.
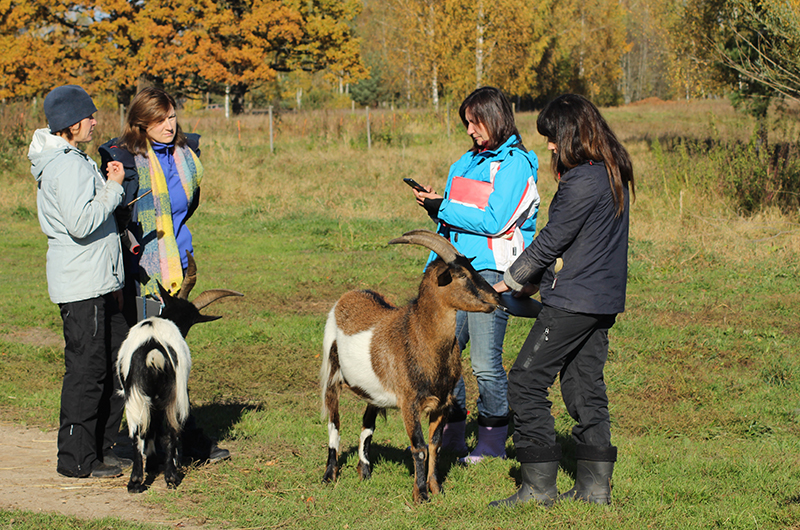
(153, 365)
(406, 358)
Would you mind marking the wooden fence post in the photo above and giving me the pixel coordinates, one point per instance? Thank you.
(271, 149)
(369, 135)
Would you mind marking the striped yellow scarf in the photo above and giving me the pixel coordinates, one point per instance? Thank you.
(161, 258)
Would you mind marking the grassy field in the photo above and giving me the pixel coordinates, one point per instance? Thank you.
(703, 372)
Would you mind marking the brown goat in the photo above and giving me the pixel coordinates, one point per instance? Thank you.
(406, 358)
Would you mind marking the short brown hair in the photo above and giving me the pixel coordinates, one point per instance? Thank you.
(65, 133)
(149, 106)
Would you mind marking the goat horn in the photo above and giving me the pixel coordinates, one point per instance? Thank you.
(211, 296)
(189, 279)
(430, 240)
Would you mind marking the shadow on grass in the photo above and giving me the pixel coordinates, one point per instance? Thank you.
(213, 420)
(217, 419)
(386, 453)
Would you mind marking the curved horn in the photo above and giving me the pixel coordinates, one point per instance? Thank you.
(189, 279)
(430, 240)
(211, 296)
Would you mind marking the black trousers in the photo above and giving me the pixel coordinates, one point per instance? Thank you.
(574, 346)
(91, 407)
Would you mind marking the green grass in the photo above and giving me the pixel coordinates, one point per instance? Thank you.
(703, 372)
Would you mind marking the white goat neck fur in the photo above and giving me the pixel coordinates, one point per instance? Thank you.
(166, 333)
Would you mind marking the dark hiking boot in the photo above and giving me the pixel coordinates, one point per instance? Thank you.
(103, 470)
(111, 458)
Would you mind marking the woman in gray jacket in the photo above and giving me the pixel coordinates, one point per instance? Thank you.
(84, 277)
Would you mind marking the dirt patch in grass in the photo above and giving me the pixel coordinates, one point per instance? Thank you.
(39, 337)
(30, 482)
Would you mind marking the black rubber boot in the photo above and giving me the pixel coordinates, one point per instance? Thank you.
(538, 485)
(592, 476)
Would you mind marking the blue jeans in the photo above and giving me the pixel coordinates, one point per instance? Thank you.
(485, 333)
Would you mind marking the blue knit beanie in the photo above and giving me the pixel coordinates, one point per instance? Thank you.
(67, 105)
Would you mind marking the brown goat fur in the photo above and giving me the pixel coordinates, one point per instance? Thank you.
(406, 358)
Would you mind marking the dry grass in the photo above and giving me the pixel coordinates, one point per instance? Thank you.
(321, 163)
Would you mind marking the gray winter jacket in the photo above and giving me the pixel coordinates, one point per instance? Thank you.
(75, 203)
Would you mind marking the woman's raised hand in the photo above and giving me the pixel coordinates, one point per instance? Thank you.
(115, 171)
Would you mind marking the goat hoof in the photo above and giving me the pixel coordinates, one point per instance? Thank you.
(364, 471)
(421, 497)
(329, 476)
(136, 488)
(172, 481)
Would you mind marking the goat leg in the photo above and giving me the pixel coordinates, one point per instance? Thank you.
(419, 452)
(136, 482)
(435, 434)
(332, 406)
(365, 442)
(171, 475)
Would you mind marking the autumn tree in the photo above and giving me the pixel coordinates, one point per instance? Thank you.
(499, 43)
(646, 64)
(184, 46)
(588, 42)
(246, 42)
(760, 47)
(40, 45)
(423, 49)
(750, 47)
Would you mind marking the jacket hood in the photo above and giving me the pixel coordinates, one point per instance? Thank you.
(44, 148)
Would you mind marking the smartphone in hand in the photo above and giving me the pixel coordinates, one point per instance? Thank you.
(414, 184)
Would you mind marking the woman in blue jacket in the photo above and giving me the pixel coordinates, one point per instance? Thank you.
(488, 211)
(162, 178)
(578, 263)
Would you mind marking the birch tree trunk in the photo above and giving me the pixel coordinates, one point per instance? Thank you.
(479, 30)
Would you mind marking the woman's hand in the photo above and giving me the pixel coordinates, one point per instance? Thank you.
(528, 289)
(501, 287)
(427, 194)
(115, 171)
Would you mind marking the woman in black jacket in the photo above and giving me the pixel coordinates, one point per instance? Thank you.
(162, 190)
(579, 265)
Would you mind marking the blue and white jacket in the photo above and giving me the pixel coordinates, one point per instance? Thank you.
(493, 230)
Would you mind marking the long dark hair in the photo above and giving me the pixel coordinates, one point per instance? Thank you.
(492, 109)
(581, 134)
(149, 106)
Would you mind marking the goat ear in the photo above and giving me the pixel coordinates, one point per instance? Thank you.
(206, 318)
(445, 278)
(164, 293)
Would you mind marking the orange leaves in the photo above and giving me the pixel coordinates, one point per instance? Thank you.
(188, 44)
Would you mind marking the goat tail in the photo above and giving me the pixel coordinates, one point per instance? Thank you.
(329, 370)
(155, 359)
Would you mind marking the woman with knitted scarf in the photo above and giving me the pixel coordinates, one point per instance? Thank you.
(162, 191)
